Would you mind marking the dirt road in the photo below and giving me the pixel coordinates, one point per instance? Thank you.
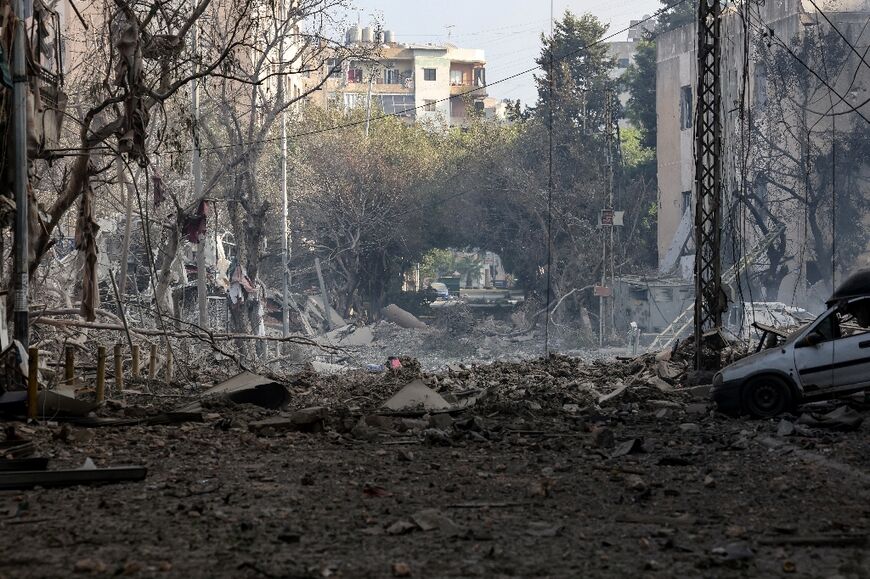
(652, 488)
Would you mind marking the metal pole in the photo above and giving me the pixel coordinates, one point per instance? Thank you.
(610, 131)
(285, 242)
(710, 300)
(196, 168)
(21, 320)
(369, 100)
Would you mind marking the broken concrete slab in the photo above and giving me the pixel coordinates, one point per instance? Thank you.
(615, 393)
(351, 336)
(307, 420)
(250, 388)
(416, 396)
(402, 318)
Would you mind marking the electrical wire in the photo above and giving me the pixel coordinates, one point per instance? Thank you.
(460, 95)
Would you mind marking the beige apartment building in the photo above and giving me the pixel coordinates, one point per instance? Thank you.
(745, 166)
(441, 83)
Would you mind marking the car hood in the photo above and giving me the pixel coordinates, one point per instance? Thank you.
(753, 360)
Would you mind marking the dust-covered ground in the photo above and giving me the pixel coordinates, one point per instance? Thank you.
(558, 468)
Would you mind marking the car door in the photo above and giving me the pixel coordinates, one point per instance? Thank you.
(841, 362)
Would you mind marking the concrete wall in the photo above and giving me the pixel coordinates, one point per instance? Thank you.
(436, 90)
(676, 68)
(676, 63)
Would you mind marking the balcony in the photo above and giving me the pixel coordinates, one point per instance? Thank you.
(471, 90)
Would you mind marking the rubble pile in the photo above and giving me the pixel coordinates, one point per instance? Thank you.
(556, 384)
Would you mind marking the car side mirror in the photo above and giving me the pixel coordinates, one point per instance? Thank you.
(811, 340)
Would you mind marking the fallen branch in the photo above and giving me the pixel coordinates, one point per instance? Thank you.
(154, 332)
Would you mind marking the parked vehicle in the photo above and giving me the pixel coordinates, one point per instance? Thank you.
(439, 290)
(828, 358)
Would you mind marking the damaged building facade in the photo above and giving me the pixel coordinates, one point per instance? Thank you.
(784, 192)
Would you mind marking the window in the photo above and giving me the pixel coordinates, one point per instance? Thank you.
(333, 66)
(391, 76)
(479, 106)
(457, 78)
(429, 106)
(430, 74)
(622, 63)
(353, 100)
(479, 77)
(685, 108)
(354, 75)
(395, 104)
(850, 320)
(687, 201)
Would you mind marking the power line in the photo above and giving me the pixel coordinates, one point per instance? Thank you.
(447, 99)
(767, 30)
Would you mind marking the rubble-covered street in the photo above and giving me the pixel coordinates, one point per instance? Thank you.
(540, 469)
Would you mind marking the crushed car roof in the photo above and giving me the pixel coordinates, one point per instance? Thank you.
(856, 285)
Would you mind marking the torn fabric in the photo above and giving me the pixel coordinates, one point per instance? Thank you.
(86, 244)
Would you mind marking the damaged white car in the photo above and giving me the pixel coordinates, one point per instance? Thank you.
(828, 358)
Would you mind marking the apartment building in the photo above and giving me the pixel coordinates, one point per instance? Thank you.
(767, 161)
(441, 83)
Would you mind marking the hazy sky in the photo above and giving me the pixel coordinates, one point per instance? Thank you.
(508, 30)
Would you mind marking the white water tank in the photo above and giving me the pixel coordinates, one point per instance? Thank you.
(353, 35)
(367, 36)
(389, 37)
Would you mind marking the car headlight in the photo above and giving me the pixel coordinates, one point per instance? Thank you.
(718, 380)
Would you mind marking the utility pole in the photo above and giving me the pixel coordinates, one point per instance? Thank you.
(610, 135)
(710, 299)
(21, 184)
(606, 220)
(196, 169)
(369, 99)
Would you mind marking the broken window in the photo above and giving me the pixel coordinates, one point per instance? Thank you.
(429, 106)
(430, 74)
(685, 108)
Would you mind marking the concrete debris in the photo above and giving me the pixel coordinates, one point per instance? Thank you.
(401, 318)
(416, 396)
(843, 418)
(328, 369)
(250, 388)
(309, 420)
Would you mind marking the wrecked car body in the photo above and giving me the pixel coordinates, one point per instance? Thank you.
(828, 358)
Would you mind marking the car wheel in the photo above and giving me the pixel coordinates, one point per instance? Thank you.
(767, 396)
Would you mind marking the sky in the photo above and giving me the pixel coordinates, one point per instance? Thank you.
(508, 30)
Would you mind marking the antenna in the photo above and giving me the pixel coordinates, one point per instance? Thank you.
(450, 28)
